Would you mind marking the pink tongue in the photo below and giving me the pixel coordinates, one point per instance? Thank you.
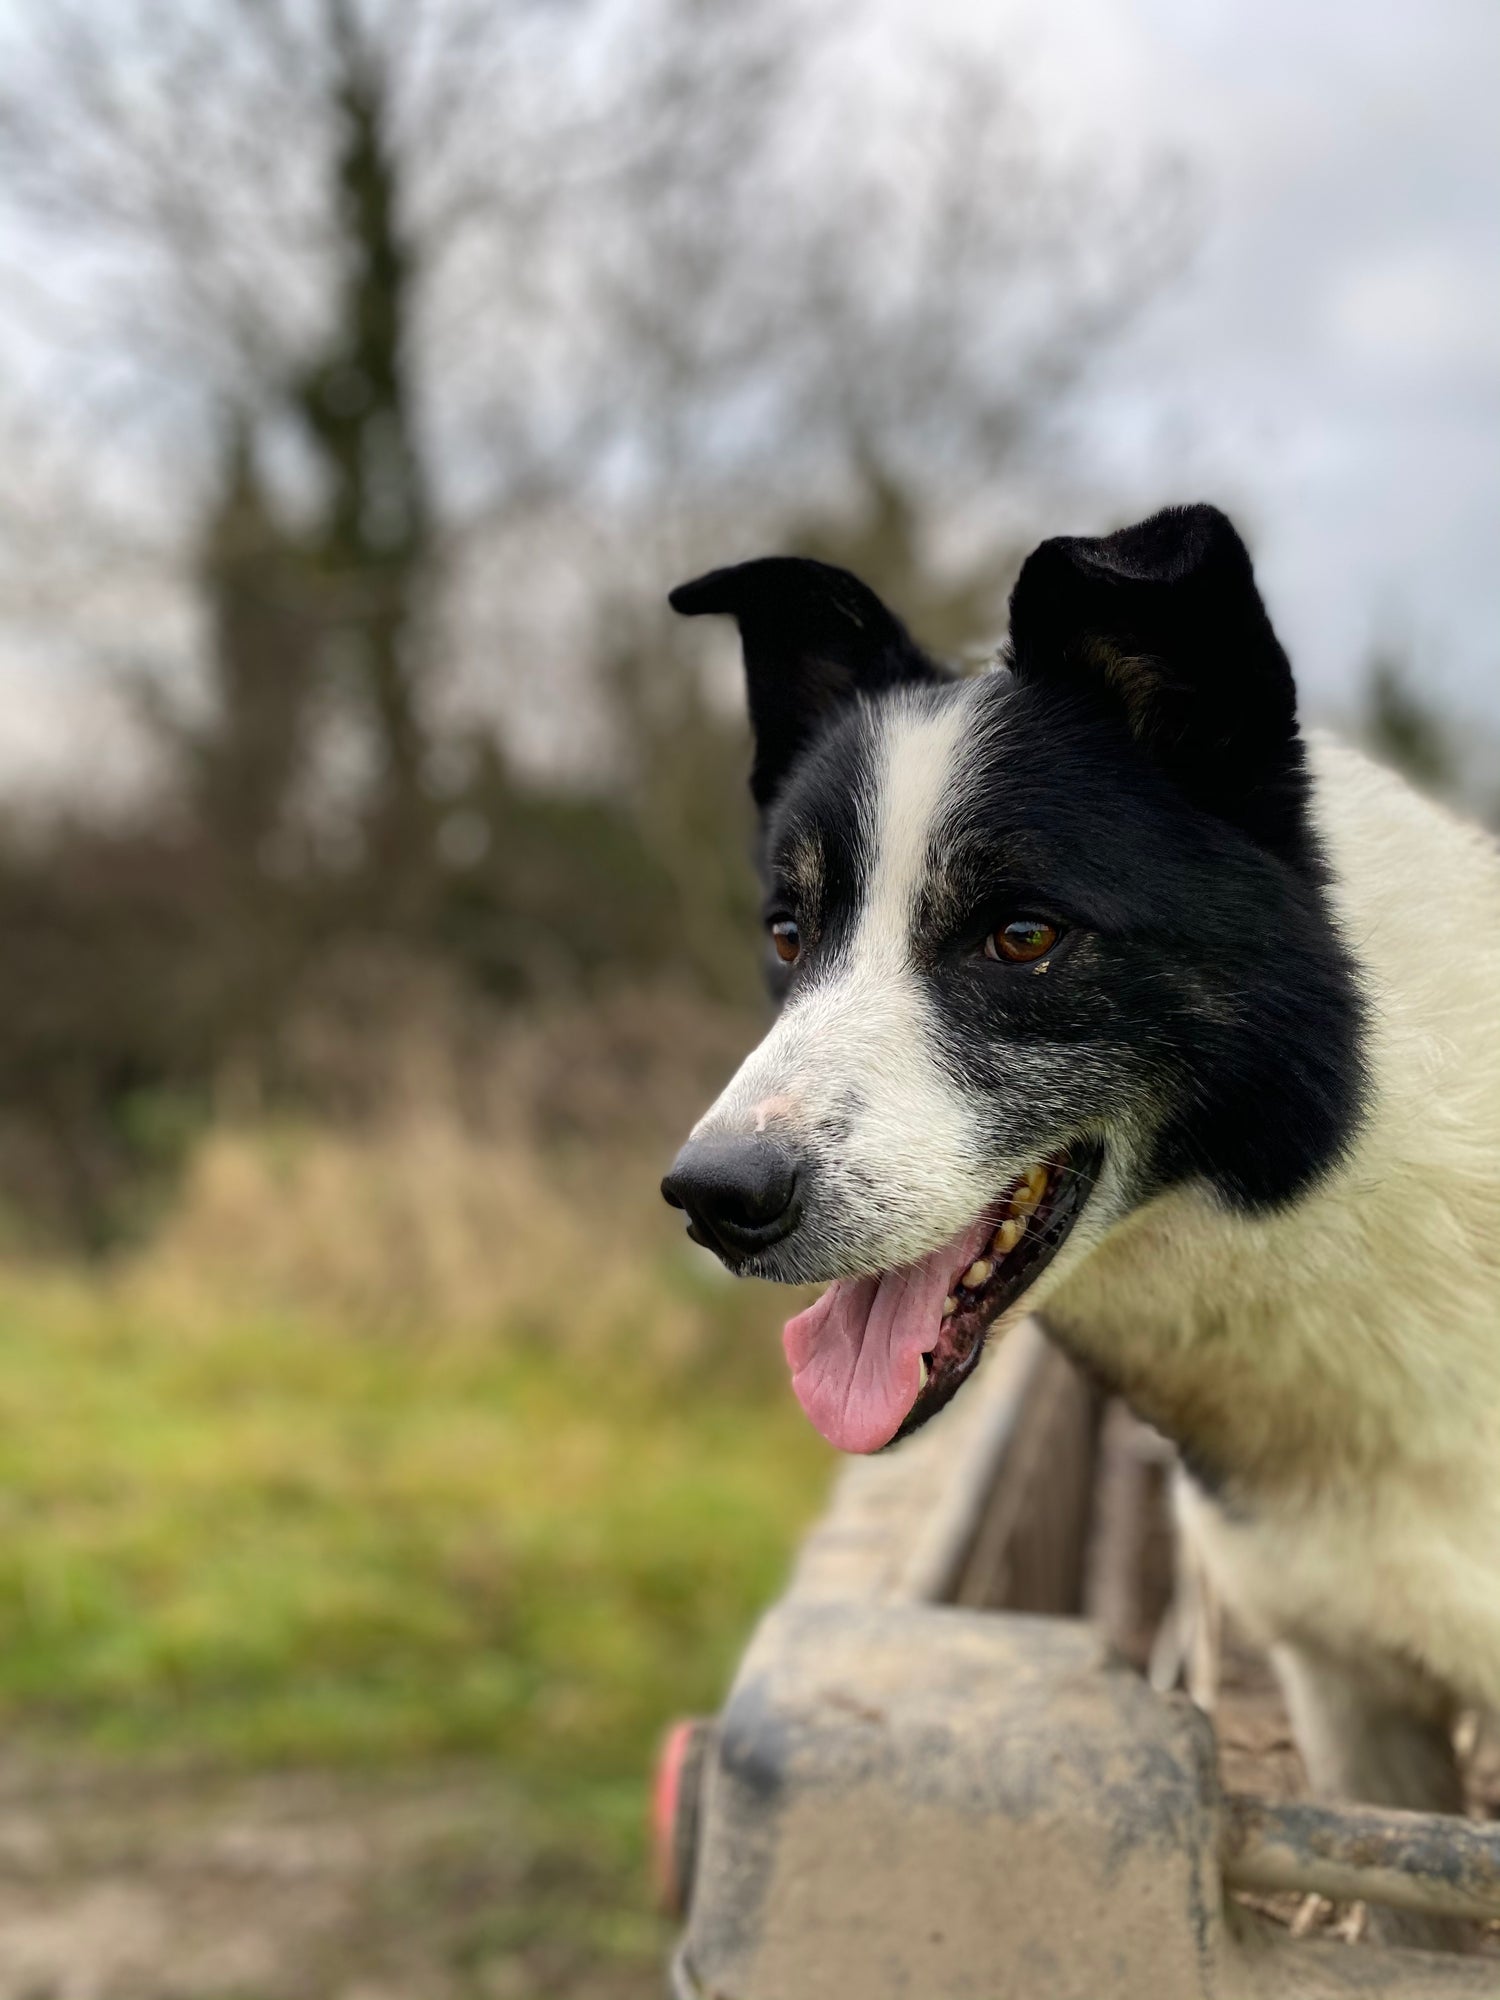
(856, 1355)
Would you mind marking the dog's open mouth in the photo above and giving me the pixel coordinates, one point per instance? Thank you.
(874, 1358)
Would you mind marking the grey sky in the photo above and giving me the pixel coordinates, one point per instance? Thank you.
(1329, 365)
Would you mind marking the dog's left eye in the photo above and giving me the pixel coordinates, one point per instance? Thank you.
(1022, 941)
(787, 939)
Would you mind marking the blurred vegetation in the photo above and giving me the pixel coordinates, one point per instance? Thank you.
(388, 1451)
(473, 329)
(258, 1537)
(1413, 730)
(1408, 733)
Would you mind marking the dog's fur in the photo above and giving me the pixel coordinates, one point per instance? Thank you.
(1275, 1002)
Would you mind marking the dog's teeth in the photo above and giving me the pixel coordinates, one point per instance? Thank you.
(977, 1272)
(1009, 1234)
(922, 1377)
(950, 1306)
(1029, 1191)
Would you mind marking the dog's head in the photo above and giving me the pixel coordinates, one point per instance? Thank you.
(1045, 942)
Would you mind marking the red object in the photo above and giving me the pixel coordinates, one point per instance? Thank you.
(674, 1812)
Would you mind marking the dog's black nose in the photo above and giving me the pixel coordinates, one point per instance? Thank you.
(740, 1194)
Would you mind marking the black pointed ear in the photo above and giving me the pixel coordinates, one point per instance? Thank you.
(1163, 621)
(814, 636)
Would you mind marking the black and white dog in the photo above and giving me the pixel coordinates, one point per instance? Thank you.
(1103, 989)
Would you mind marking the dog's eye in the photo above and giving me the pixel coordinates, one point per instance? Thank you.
(787, 939)
(1022, 940)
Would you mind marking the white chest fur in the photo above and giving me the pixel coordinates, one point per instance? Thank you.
(1339, 1362)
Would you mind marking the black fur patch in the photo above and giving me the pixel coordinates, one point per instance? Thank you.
(814, 637)
(1199, 972)
(1162, 622)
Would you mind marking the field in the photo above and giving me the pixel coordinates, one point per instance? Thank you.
(271, 1519)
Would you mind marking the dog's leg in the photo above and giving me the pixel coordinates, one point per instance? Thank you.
(1382, 1736)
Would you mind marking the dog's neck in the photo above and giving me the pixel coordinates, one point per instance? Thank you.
(1299, 1349)
(1360, 1326)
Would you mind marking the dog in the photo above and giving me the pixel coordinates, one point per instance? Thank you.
(1104, 990)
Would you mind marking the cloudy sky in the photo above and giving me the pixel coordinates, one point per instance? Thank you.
(1328, 366)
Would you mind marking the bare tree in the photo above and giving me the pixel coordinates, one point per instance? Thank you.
(254, 203)
(410, 349)
(457, 268)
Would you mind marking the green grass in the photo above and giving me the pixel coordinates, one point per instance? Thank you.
(265, 1540)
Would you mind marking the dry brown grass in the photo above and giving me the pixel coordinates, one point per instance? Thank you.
(458, 1176)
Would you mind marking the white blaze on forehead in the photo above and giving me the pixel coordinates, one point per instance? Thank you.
(919, 757)
(852, 1065)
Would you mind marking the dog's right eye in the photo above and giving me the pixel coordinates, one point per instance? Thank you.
(1022, 941)
(787, 939)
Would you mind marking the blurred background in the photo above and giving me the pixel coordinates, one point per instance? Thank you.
(379, 1470)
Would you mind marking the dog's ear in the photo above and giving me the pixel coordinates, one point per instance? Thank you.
(1164, 623)
(813, 636)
